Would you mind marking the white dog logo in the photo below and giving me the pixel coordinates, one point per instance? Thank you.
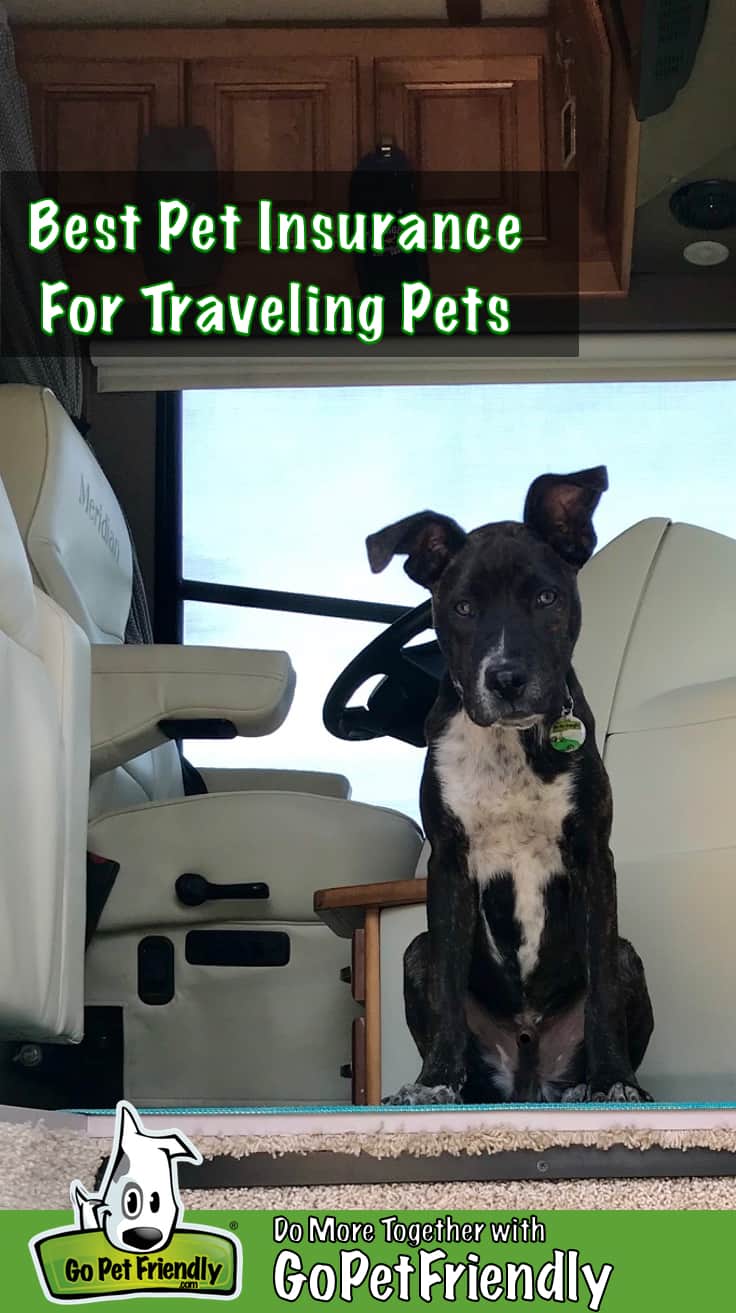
(138, 1206)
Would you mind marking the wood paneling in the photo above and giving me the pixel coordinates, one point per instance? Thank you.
(343, 908)
(278, 115)
(464, 11)
(358, 966)
(463, 114)
(632, 15)
(293, 119)
(358, 1063)
(92, 114)
(480, 119)
(584, 43)
(372, 1007)
(623, 166)
(309, 100)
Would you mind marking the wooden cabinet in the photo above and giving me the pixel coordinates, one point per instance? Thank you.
(471, 126)
(277, 115)
(583, 54)
(285, 126)
(485, 114)
(292, 121)
(355, 912)
(91, 114)
(469, 114)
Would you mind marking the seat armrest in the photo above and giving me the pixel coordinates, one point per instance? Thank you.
(224, 779)
(136, 688)
(343, 909)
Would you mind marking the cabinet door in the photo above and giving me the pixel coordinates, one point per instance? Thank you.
(479, 118)
(295, 116)
(90, 114)
(283, 128)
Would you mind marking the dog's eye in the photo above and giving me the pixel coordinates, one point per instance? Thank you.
(464, 608)
(132, 1201)
(155, 1202)
(546, 597)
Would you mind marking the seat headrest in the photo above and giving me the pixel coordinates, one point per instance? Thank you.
(68, 515)
(18, 611)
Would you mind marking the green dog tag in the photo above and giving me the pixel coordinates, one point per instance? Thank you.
(567, 734)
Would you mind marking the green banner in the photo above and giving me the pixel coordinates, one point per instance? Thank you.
(73, 1265)
(616, 1261)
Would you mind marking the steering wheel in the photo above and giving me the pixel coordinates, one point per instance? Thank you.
(400, 703)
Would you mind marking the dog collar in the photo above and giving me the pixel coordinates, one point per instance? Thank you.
(567, 733)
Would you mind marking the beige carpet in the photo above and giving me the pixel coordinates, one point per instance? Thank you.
(432, 1144)
(716, 1192)
(37, 1165)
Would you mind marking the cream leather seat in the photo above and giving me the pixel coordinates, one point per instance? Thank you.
(231, 1000)
(44, 769)
(657, 659)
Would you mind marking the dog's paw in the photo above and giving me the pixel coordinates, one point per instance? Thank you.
(410, 1096)
(575, 1094)
(622, 1092)
(619, 1092)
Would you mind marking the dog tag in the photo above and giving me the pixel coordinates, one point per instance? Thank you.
(567, 734)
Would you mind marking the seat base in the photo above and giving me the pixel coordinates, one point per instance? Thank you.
(51, 1076)
(236, 1035)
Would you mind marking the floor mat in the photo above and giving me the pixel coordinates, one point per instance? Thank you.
(37, 1164)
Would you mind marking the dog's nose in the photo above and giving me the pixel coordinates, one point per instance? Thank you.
(509, 681)
(142, 1237)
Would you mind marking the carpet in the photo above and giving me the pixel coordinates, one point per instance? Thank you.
(37, 1164)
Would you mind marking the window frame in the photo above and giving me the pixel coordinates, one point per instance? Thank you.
(619, 357)
(173, 589)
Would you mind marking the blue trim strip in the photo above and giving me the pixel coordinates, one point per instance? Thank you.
(309, 1109)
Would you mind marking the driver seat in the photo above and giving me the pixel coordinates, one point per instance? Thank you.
(44, 714)
(233, 999)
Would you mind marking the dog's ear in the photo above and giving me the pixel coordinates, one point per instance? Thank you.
(130, 1128)
(428, 540)
(178, 1146)
(559, 508)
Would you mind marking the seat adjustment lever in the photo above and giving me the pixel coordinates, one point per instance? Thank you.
(193, 890)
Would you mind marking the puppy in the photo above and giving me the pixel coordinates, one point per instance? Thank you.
(521, 988)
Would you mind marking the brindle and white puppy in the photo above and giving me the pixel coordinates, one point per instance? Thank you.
(521, 988)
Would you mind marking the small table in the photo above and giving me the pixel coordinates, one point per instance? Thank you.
(354, 912)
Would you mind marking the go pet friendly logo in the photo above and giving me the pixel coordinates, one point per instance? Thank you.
(128, 1240)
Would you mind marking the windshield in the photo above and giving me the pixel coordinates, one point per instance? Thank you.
(281, 487)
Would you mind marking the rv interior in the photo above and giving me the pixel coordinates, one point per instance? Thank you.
(212, 711)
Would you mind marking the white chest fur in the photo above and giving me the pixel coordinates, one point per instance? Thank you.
(513, 819)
